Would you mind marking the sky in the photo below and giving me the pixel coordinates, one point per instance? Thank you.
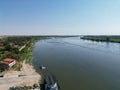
(59, 17)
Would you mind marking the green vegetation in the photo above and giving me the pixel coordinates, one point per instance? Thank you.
(115, 39)
(18, 48)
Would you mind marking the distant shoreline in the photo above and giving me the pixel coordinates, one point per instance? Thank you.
(114, 39)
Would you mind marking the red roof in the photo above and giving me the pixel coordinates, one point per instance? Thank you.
(8, 61)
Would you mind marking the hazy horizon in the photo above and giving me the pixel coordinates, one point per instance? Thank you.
(64, 17)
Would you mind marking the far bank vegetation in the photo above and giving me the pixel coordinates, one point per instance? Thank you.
(115, 39)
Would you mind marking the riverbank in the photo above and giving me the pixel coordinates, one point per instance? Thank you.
(115, 39)
(22, 74)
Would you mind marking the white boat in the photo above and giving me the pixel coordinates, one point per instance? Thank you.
(42, 67)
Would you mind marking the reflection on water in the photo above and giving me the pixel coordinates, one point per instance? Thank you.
(101, 46)
(80, 64)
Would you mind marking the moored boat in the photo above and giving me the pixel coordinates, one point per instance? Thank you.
(50, 82)
(42, 67)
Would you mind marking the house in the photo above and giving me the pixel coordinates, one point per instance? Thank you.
(10, 62)
(6, 64)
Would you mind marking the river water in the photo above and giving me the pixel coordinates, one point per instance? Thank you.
(80, 64)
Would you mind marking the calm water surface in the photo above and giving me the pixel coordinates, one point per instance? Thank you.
(80, 64)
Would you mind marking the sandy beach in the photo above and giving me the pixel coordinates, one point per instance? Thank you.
(26, 77)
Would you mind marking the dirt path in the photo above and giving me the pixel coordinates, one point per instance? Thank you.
(23, 46)
(26, 77)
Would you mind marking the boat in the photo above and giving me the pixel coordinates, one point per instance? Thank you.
(42, 67)
(50, 82)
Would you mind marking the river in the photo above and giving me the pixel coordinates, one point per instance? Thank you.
(80, 64)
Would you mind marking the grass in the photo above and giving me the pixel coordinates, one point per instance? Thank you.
(26, 54)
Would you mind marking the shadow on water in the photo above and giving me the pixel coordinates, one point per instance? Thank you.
(48, 79)
(42, 86)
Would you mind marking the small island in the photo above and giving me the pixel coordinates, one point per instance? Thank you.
(102, 38)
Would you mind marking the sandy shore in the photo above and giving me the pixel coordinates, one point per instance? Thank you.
(26, 77)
